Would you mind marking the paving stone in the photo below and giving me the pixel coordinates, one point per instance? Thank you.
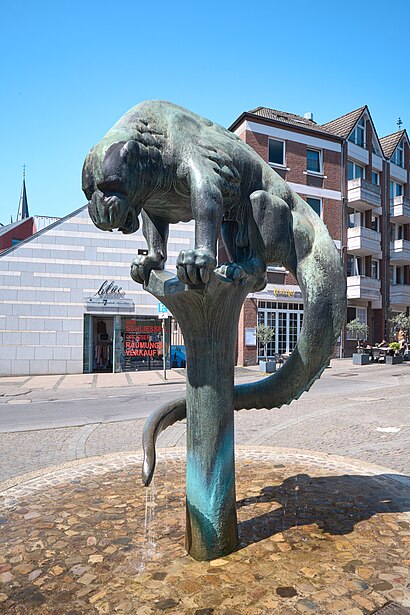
(332, 518)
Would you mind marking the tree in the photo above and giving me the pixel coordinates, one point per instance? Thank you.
(265, 335)
(359, 329)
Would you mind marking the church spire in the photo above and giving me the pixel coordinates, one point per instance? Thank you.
(22, 212)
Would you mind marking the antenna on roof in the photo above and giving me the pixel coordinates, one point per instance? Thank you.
(399, 123)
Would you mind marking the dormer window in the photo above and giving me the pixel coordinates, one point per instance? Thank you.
(358, 136)
(398, 156)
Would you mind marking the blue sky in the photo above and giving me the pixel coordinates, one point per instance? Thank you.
(70, 69)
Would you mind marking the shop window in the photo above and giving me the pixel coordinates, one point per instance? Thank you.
(142, 343)
(352, 313)
(286, 319)
(276, 154)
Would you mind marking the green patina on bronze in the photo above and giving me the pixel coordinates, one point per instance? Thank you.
(169, 165)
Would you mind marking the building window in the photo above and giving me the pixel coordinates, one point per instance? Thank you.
(316, 205)
(354, 265)
(396, 189)
(276, 153)
(14, 241)
(354, 218)
(398, 156)
(354, 171)
(314, 160)
(376, 178)
(375, 223)
(351, 314)
(286, 319)
(375, 270)
(399, 275)
(358, 136)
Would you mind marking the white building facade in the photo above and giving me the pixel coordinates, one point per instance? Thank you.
(69, 305)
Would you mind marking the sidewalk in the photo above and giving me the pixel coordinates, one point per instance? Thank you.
(58, 382)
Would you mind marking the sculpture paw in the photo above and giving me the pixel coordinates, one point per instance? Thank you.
(194, 266)
(142, 266)
(232, 271)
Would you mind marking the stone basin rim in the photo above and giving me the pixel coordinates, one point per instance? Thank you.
(53, 476)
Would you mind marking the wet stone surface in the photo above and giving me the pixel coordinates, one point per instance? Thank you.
(316, 537)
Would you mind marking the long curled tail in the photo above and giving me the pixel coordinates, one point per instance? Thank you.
(160, 419)
(323, 284)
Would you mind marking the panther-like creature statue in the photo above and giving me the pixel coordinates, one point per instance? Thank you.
(170, 165)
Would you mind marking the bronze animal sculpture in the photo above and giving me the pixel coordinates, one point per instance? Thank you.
(170, 165)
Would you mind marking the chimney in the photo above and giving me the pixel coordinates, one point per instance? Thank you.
(309, 116)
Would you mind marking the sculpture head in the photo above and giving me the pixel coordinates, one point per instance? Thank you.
(109, 183)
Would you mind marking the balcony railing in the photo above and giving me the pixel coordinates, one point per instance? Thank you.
(363, 241)
(400, 210)
(362, 287)
(400, 295)
(362, 194)
(400, 252)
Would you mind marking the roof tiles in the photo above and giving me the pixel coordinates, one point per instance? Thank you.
(290, 118)
(390, 142)
(343, 126)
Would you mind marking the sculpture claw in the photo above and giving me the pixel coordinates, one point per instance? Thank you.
(204, 273)
(194, 266)
(142, 266)
(231, 271)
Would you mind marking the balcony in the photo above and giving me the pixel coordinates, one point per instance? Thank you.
(363, 195)
(362, 287)
(363, 241)
(400, 210)
(400, 252)
(399, 296)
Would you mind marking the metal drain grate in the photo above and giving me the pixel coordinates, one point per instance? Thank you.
(392, 609)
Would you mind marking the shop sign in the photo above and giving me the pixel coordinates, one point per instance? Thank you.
(286, 292)
(250, 336)
(111, 296)
(109, 289)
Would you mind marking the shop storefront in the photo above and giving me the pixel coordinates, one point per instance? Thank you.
(125, 343)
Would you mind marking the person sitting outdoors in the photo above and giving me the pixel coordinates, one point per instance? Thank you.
(401, 338)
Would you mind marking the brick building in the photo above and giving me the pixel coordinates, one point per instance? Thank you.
(359, 184)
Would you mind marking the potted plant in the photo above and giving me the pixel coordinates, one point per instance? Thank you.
(395, 357)
(360, 331)
(265, 335)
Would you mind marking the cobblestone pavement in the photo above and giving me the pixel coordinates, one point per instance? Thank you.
(360, 412)
(319, 534)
